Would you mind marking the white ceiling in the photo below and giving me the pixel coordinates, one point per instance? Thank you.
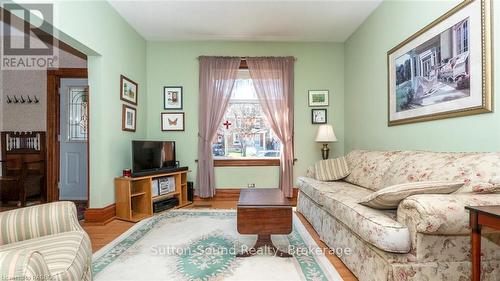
(245, 20)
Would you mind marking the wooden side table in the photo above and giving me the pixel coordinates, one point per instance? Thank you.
(480, 216)
(264, 211)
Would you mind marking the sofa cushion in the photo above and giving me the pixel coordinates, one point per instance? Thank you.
(377, 227)
(331, 169)
(480, 172)
(316, 189)
(367, 168)
(23, 264)
(67, 254)
(389, 197)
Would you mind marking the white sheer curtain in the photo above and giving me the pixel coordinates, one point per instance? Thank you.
(273, 81)
(217, 78)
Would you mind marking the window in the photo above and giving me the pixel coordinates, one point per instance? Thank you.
(245, 133)
(462, 34)
(77, 111)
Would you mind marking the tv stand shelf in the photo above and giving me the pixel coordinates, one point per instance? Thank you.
(134, 200)
(164, 196)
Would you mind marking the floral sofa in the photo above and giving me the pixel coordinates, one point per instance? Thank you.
(44, 242)
(427, 237)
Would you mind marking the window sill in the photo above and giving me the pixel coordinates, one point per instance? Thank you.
(246, 162)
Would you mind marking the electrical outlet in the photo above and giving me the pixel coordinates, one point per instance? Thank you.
(251, 185)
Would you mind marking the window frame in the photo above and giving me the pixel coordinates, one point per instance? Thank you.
(246, 162)
(249, 162)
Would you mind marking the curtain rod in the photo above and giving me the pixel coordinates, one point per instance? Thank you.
(244, 58)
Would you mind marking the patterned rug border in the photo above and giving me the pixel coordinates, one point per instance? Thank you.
(109, 253)
(127, 233)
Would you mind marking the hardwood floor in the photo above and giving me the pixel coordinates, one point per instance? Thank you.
(102, 235)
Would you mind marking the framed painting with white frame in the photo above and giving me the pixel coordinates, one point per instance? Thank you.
(172, 97)
(318, 98)
(318, 116)
(129, 90)
(444, 70)
(172, 121)
(129, 118)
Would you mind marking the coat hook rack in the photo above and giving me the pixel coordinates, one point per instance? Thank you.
(22, 99)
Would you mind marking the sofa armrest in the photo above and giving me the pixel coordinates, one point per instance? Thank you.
(443, 214)
(23, 265)
(37, 221)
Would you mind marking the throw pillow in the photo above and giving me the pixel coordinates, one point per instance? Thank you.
(389, 197)
(331, 169)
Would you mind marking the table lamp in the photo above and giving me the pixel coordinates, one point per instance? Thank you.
(325, 135)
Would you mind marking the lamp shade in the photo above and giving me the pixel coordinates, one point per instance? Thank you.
(325, 134)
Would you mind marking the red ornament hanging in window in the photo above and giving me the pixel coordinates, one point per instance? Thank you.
(227, 124)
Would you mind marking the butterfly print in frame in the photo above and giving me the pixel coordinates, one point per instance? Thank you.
(172, 121)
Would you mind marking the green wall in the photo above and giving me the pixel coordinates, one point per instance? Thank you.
(359, 119)
(114, 48)
(366, 87)
(234, 177)
(318, 66)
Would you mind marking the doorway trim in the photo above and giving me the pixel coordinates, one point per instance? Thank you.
(53, 129)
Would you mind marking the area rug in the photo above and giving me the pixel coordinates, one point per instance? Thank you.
(201, 245)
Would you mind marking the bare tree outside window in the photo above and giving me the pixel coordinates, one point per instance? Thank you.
(244, 131)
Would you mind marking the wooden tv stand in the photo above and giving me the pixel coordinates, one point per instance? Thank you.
(134, 200)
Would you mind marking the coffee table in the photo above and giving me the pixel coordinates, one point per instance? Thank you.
(265, 212)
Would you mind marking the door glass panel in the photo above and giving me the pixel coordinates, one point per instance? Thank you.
(78, 118)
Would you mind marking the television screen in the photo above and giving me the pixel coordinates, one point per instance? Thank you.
(152, 155)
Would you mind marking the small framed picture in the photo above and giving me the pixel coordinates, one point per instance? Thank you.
(318, 116)
(172, 97)
(318, 98)
(128, 90)
(129, 117)
(172, 121)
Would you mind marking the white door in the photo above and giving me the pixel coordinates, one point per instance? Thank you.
(73, 139)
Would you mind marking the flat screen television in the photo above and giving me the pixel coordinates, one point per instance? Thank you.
(149, 156)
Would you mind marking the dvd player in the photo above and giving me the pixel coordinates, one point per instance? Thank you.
(165, 204)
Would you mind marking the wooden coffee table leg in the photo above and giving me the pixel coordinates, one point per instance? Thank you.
(263, 241)
(475, 246)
